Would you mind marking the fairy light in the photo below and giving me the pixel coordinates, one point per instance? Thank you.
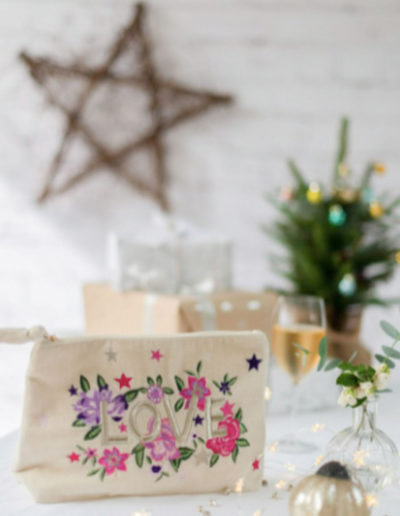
(318, 460)
(203, 511)
(273, 447)
(290, 467)
(343, 170)
(317, 427)
(397, 257)
(267, 391)
(372, 500)
(257, 512)
(379, 168)
(359, 457)
(141, 513)
(280, 485)
(314, 194)
(375, 209)
(239, 486)
(213, 503)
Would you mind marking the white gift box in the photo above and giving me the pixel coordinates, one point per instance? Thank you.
(171, 259)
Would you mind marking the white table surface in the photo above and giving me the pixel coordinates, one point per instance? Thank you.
(14, 499)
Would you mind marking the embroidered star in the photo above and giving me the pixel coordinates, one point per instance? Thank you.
(156, 355)
(254, 362)
(198, 420)
(256, 464)
(111, 355)
(73, 390)
(123, 428)
(227, 409)
(73, 457)
(124, 381)
(202, 457)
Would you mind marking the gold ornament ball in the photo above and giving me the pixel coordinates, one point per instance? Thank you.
(397, 257)
(314, 194)
(379, 168)
(375, 209)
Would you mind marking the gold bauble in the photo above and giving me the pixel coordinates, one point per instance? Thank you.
(397, 257)
(330, 492)
(314, 194)
(379, 168)
(375, 209)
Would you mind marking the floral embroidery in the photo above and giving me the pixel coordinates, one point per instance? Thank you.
(162, 455)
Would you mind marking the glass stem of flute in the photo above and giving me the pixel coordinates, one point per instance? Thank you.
(293, 411)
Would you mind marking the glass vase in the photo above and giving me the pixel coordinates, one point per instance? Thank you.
(370, 456)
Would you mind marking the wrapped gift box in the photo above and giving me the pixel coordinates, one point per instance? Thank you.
(174, 263)
(108, 311)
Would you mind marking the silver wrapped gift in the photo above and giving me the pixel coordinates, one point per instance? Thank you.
(180, 260)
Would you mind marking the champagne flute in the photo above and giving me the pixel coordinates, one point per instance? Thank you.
(299, 323)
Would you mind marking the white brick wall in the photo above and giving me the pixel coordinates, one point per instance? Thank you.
(294, 67)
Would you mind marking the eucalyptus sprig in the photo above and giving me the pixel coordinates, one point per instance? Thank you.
(362, 382)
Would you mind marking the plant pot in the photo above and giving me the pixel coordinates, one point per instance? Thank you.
(343, 333)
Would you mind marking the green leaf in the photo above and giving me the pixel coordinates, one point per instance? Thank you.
(332, 364)
(85, 460)
(390, 330)
(384, 390)
(323, 352)
(179, 404)
(131, 395)
(232, 381)
(225, 379)
(179, 383)
(148, 460)
(201, 440)
(242, 442)
(198, 368)
(190, 373)
(81, 448)
(79, 423)
(186, 453)
(168, 390)
(347, 379)
(139, 447)
(159, 379)
(93, 472)
(175, 464)
(138, 451)
(391, 352)
(84, 383)
(239, 415)
(100, 381)
(386, 360)
(94, 460)
(243, 428)
(214, 459)
(143, 390)
(102, 474)
(150, 380)
(359, 402)
(235, 453)
(346, 366)
(217, 385)
(93, 433)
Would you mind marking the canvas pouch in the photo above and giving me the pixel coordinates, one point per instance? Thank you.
(144, 415)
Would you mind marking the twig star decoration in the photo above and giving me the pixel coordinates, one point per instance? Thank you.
(169, 104)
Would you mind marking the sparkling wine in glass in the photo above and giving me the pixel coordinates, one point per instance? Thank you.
(299, 323)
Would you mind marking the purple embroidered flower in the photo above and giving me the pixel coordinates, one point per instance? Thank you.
(73, 390)
(155, 394)
(164, 445)
(88, 405)
(197, 387)
(156, 469)
(91, 452)
(224, 387)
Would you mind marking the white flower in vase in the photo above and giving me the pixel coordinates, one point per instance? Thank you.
(381, 377)
(365, 389)
(347, 397)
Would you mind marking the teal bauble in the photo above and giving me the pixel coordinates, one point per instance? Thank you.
(337, 215)
(347, 285)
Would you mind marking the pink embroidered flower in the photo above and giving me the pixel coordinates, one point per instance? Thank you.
(155, 394)
(196, 387)
(226, 444)
(113, 459)
(164, 445)
(91, 452)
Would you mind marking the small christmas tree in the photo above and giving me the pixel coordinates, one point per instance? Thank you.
(340, 243)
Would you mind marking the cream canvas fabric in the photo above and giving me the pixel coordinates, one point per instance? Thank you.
(107, 416)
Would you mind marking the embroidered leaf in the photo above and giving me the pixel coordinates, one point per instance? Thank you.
(239, 415)
(148, 459)
(229, 393)
(225, 377)
(131, 395)
(78, 422)
(93, 433)
(168, 390)
(150, 380)
(179, 404)
(214, 459)
(235, 453)
(179, 383)
(232, 381)
(242, 442)
(175, 464)
(217, 385)
(186, 453)
(80, 447)
(138, 451)
(85, 460)
(198, 368)
(100, 381)
(190, 373)
(94, 461)
(143, 390)
(194, 444)
(159, 379)
(243, 428)
(84, 383)
(93, 472)
(201, 440)
(102, 474)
